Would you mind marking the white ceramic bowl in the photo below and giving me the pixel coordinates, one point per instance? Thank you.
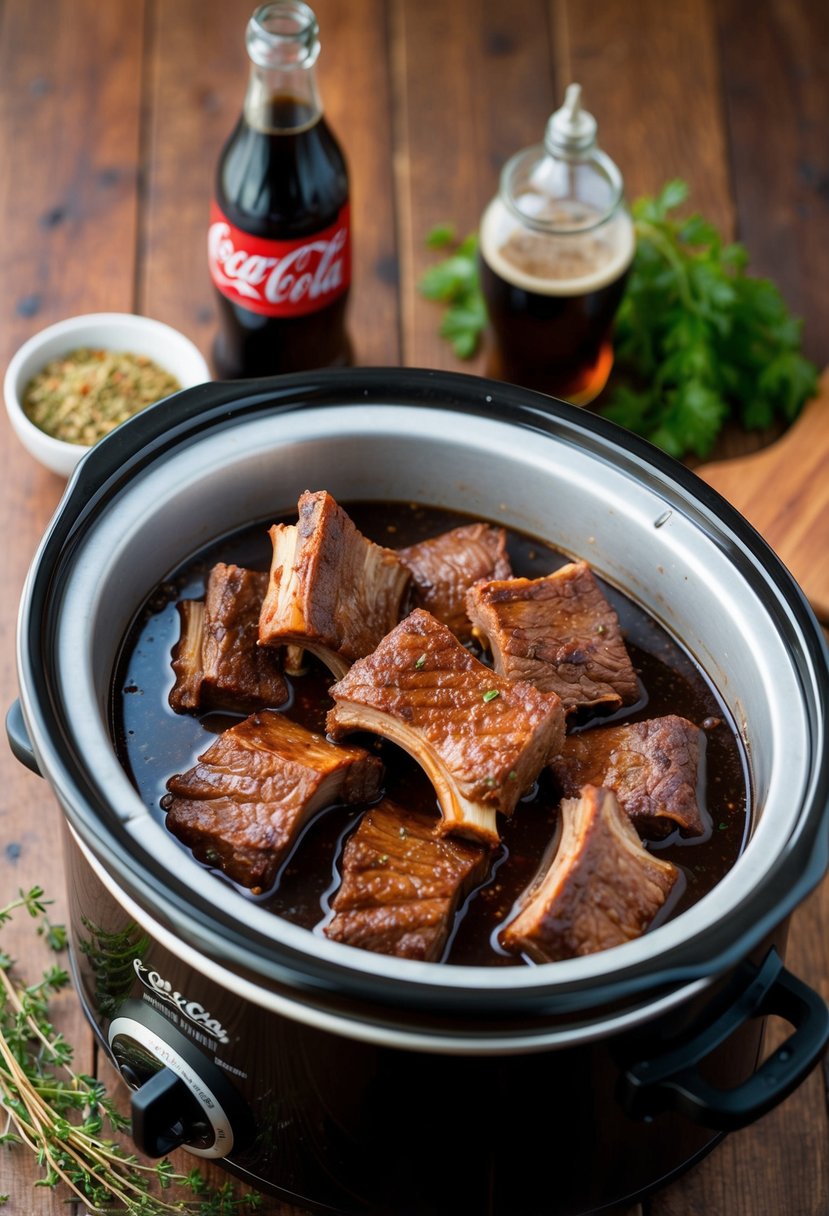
(100, 331)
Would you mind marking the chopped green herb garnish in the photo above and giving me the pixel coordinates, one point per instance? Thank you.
(420, 662)
(513, 776)
(491, 694)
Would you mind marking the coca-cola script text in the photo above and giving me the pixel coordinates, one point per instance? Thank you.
(280, 278)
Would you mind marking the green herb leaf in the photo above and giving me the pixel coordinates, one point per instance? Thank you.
(699, 341)
(491, 694)
(440, 236)
(455, 282)
(449, 280)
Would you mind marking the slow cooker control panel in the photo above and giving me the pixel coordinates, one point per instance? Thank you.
(180, 1097)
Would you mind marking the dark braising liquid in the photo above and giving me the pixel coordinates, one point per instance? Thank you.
(284, 183)
(154, 742)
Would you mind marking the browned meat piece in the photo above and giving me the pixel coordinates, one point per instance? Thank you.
(482, 740)
(402, 883)
(445, 567)
(218, 662)
(650, 766)
(559, 633)
(602, 888)
(243, 804)
(331, 590)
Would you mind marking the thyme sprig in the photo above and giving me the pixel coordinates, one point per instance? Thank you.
(60, 1114)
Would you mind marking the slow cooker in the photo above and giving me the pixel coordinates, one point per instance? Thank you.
(350, 1082)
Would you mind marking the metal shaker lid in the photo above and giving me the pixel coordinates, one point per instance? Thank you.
(571, 129)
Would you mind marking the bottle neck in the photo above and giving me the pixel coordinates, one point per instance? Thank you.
(282, 41)
(281, 101)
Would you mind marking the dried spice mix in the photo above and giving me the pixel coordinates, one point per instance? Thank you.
(84, 395)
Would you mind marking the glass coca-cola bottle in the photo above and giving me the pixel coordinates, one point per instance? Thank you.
(279, 246)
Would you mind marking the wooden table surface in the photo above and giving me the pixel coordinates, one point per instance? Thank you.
(111, 119)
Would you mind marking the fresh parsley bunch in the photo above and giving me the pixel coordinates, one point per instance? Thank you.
(697, 340)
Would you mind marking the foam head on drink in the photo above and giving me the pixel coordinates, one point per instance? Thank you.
(556, 245)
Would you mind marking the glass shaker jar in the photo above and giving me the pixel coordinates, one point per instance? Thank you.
(556, 244)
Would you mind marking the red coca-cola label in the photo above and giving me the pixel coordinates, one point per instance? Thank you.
(280, 278)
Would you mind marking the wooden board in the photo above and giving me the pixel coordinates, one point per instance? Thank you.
(784, 492)
(111, 118)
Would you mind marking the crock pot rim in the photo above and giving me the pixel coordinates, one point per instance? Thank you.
(797, 870)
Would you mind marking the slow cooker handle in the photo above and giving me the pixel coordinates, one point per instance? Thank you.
(673, 1082)
(19, 741)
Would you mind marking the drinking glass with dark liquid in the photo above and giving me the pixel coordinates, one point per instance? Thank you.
(556, 244)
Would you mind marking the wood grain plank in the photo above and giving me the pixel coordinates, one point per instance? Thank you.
(652, 82)
(196, 74)
(472, 86)
(69, 134)
(794, 519)
(70, 129)
(356, 91)
(777, 100)
(192, 112)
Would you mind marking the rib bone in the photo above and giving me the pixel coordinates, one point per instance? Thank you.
(481, 739)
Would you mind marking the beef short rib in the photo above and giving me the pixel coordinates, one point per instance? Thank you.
(601, 889)
(241, 807)
(650, 766)
(559, 633)
(402, 882)
(218, 662)
(481, 739)
(330, 590)
(444, 567)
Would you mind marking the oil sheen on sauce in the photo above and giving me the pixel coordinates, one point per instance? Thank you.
(153, 742)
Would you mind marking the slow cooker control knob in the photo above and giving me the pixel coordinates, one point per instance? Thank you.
(180, 1097)
(166, 1114)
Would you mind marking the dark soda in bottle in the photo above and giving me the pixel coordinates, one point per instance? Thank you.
(279, 245)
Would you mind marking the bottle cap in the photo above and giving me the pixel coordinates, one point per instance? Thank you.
(571, 129)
